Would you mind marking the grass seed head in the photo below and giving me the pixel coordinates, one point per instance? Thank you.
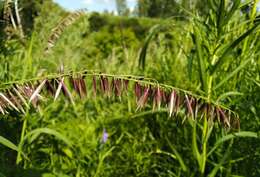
(144, 98)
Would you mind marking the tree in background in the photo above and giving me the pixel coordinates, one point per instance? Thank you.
(157, 8)
(168, 8)
(122, 8)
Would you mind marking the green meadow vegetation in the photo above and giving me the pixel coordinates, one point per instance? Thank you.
(154, 92)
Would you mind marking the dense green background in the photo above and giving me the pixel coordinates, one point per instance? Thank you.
(179, 45)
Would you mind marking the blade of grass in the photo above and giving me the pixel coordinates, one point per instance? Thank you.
(202, 64)
(177, 155)
(230, 48)
(242, 134)
(36, 132)
(8, 144)
(153, 31)
(219, 165)
(233, 73)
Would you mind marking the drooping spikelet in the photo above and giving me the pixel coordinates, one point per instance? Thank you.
(157, 99)
(144, 98)
(138, 90)
(94, 83)
(172, 102)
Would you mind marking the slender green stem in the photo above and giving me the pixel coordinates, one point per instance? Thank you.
(210, 80)
(204, 144)
(19, 157)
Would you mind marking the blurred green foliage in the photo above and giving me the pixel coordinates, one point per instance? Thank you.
(145, 143)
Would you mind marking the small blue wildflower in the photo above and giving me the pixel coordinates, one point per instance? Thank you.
(104, 136)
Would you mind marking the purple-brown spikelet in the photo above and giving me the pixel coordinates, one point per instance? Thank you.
(112, 85)
(218, 114)
(75, 84)
(223, 117)
(54, 83)
(212, 113)
(50, 88)
(177, 102)
(196, 107)
(82, 88)
(189, 103)
(28, 91)
(144, 98)
(83, 85)
(94, 84)
(172, 102)
(15, 100)
(157, 98)
(138, 90)
(2, 107)
(107, 84)
(104, 85)
(164, 98)
(64, 89)
(207, 110)
(126, 83)
(66, 92)
(118, 87)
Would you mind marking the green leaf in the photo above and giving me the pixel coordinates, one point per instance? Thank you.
(178, 156)
(242, 134)
(220, 16)
(227, 94)
(190, 65)
(233, 73)
(230, 48)
(219, 165)
(201, 62)
(195, 148)
(213, 5)
(8, 143)
(153, 31)
(232, 11)
(31, 136)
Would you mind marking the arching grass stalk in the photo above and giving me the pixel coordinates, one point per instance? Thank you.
(135, 79)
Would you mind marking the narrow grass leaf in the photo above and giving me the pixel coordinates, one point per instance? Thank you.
(233, 73)
(8, 143)
(153, 31)
(242, 134)
(201, 62)
(178, 156)
(230, 48)
(36, 132)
